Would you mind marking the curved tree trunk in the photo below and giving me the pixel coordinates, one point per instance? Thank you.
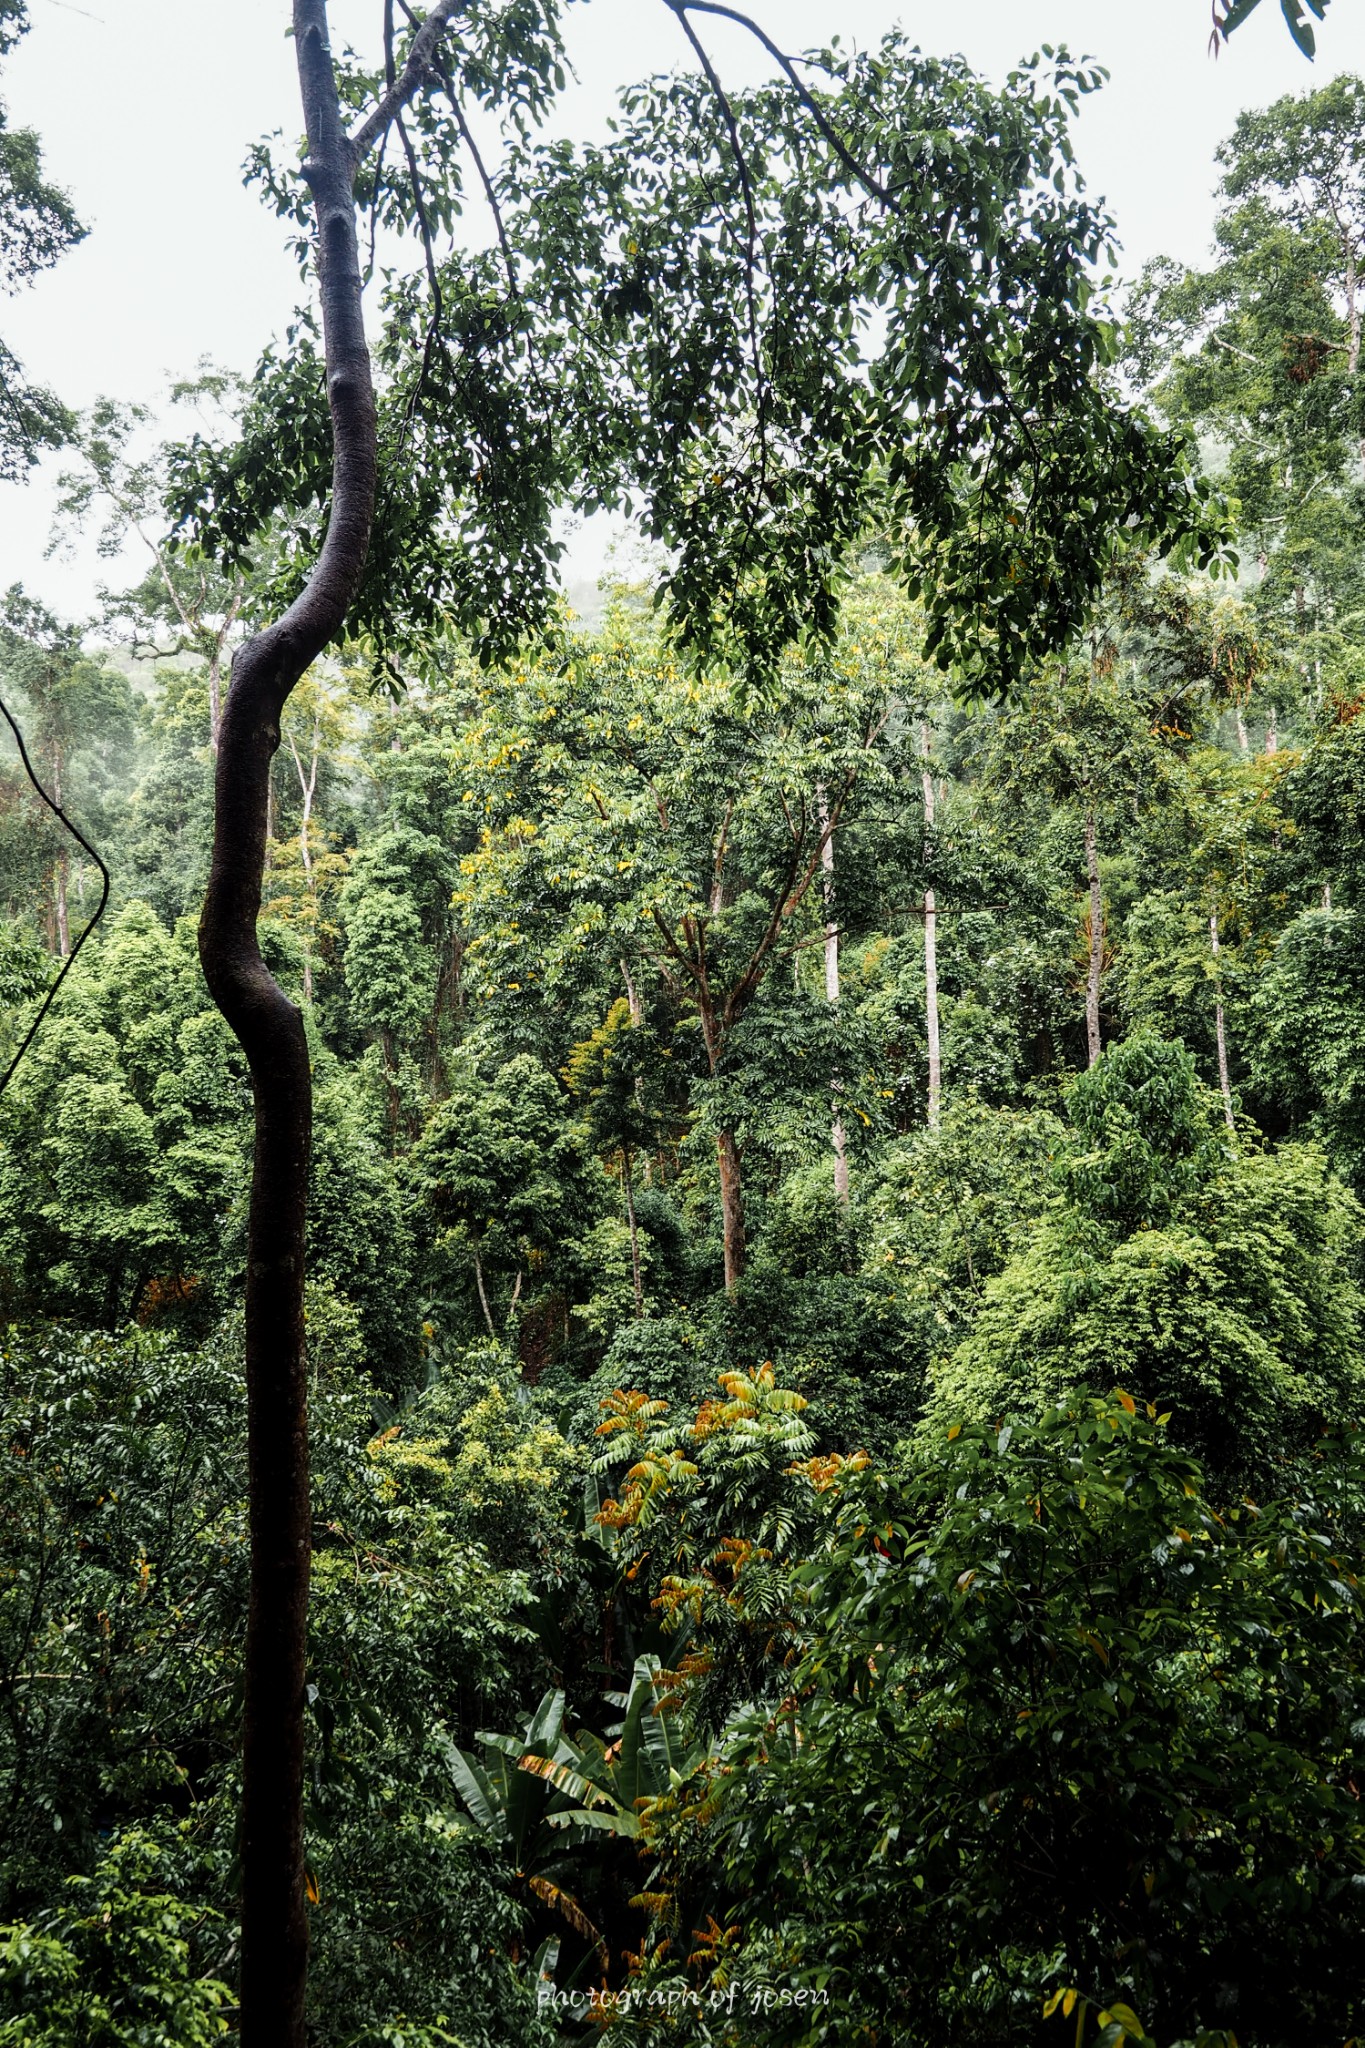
(274, 1951)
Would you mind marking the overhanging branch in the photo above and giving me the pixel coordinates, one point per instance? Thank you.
(419, 63)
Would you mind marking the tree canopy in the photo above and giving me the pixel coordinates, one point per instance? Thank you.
(802, 1483)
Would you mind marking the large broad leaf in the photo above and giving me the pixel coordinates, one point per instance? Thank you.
(545, 1731)
(620, 1823)
(601, 1532)
(671, 1756)
(634, 1767)
(483, 1801)
(524, 1796)
(564, 1778)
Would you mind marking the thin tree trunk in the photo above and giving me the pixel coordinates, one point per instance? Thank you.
(731, 1208)
(637, 1018)
(194, 628)
(637, 1011)
(1092, 979)
(1219, 1033)
(1352, 310)
(935, 1101)
(627, 1176)
(59, 871)
(307, 785)
(63, 919)
(483, 1297)
(727, 1147)
(1242, 741)
(832, 997)
(274, 1939)
(718, 1019)
(1272, 735)
(215, 697)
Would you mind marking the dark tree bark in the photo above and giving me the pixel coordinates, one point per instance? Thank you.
(688, 950)
(274, 1952)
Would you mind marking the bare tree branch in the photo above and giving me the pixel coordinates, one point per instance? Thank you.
(420, 61)
(682, 8)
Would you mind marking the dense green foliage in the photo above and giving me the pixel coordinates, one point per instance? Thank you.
(1055, 1720)
(948, 1631)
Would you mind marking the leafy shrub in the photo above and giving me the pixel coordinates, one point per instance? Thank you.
(113, 1965)
(1213, 1280)
(1058, 1721)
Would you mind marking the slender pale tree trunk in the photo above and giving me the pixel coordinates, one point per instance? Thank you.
(192, 619)
(637, 1009)
(1243, 744)
(1272, 734)
(628, 1178)
(1220, 1034)
(307, 786)
(274, 1940)
(59, 905)
(832, 997)
(1092, 979)
(192, 623)
(731, 1208)
(1352, 306)
(483, 1296)
(935, 1101)
(727, 1145)
(718, 1016)
(637, 1018)
(215, 696)
(63, 915)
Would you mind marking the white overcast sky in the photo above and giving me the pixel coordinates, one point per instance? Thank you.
(146, 109)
